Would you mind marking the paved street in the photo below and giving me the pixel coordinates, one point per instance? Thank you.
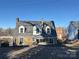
(49, 52)
(44, 52)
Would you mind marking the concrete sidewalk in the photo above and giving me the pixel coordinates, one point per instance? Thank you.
(13, 54)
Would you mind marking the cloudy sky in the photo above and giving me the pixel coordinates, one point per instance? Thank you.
(61, 11)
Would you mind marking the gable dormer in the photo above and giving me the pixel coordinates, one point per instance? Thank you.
(21, 29)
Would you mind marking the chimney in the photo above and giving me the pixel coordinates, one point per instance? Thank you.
(17, 22)
(17, 19)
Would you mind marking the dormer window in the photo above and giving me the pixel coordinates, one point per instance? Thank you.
(21, 29)
(48, 29)
(36, 30)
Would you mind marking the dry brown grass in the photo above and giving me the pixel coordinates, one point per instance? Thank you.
(74, 43)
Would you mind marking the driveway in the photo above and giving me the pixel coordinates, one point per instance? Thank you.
(50, 52)
(43, 52)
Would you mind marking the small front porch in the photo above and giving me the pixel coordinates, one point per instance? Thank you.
(40, 40)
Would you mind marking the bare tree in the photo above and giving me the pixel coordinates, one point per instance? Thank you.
(6, 32)
(9, 31)
(1, 31)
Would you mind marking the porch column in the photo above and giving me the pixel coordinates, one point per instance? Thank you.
(54, 41)
(39, 40)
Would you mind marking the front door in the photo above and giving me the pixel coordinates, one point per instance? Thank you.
(37, 40)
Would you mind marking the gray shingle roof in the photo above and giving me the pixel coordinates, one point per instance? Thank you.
(75, 24)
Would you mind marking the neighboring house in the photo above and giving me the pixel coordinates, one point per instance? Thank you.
(34, 32)
(61, 35)
(73, 30)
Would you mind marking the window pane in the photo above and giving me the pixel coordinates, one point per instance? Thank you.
(21, 30)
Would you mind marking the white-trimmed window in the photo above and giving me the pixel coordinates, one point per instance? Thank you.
(21, 41)
(21, 29)
(36, 30)
(48, 29)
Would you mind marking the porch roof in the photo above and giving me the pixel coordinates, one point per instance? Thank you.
(40, 37)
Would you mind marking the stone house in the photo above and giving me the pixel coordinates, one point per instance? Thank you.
(34, 32)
